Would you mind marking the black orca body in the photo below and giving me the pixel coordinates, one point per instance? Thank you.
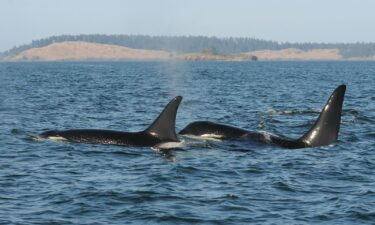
(160, 131)
(323, 132)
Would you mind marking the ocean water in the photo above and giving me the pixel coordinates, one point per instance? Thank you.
(203, 182)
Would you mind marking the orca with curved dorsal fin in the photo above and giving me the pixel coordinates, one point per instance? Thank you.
(160, 131)
(323, 132)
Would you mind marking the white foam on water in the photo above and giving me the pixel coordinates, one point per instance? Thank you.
(37, 138)
(168, 145)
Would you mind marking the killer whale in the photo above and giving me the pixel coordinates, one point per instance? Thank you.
(324, 131)
(160, 131)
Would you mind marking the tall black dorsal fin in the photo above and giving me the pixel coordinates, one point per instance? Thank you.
(326, 127)
(164, 126)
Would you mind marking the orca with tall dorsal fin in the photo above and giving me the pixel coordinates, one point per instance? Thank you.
(160, 131)
(324, 131)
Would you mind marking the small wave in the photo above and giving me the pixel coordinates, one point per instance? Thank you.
(288, 165)
(127, 153)
(261, 125)
(368, 216)
(47, 212)
(15, 176)
(95, 194)
(233, 207)
(235, 148)
(188, 169)
(34, 138)
(362, 118)
(301, 112)
(168, 146)
(283, 186)
(16, 131)
(189, 102)
(293, 112)
(351, 111)
(255, 170)
(174, 219)
(367, 192)
(232, 196)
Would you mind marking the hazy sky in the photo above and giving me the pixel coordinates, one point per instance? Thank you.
(22, 21)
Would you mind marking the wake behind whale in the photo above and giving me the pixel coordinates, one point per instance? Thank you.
(324, 131)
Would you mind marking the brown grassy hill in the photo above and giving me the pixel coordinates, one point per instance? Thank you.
(77, 50)
(88, 51)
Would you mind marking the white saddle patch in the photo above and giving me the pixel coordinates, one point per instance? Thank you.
(266, 136)
(57, 138)
(207, 137)
(51, 138)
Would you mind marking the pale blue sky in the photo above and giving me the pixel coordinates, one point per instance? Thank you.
(22, 21)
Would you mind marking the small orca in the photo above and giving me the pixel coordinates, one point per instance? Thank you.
(160, 131)
(323, 132)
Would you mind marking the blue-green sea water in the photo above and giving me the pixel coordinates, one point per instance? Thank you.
(203, 182)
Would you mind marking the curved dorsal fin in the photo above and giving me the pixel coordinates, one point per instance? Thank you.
(326, 127)
(164, 126)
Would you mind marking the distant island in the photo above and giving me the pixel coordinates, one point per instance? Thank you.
(143, 47)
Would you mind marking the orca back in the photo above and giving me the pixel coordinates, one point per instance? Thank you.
(161, 130)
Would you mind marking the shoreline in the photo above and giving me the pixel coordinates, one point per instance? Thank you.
(87, 51)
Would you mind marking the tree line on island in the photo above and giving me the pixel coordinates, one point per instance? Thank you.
(186, 44)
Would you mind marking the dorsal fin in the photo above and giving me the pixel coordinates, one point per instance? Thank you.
(326, 127)
(164, 126)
